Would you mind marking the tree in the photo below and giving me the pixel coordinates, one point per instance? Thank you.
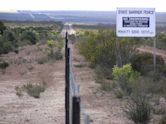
(2, 27)
(9, 35)
(30, 36)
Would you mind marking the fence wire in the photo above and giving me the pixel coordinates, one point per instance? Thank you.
(75, 91)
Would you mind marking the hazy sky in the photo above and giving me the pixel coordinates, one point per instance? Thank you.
(104, 5)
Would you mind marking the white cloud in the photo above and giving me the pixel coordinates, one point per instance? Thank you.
(79, 4)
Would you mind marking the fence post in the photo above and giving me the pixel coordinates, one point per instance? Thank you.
(76, 110)
(67, 78)
(66, 43)
(87, 120)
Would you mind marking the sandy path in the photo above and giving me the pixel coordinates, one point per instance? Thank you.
(102, 107)
(148, 49)
(49, 109)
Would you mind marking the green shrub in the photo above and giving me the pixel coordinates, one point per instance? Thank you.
(106, 86)
(3, 65)
(139, 110)
(6, 48)
(2, 27)
(103, 72)
(125, 71)
(125, 77)
(51, 45)
(159, 111)
(58, 55)
(29, 36)
(54, 50)
(8, 42)
(162, 70)
(34, 90)
(19, 91)
(161, 42)
(163, 120)
(119, 93)
(100, 49)
(42, 60)
(80, 65)
(9, 36)
(148, 86)
(97, 46)
(143, 63)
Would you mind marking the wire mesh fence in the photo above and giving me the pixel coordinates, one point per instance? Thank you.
(75, 113)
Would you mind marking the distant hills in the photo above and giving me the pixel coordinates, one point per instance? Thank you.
(105, 17)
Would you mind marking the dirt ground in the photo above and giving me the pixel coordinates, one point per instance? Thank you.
(102, 107)
(23, 69)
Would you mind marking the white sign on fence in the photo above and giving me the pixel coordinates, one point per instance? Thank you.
(135, 22)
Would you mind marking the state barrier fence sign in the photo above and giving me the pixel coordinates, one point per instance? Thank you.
(135, 22)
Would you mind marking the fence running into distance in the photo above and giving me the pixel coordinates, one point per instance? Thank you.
(75, 113)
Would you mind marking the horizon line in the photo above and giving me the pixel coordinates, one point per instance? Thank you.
(15, 11)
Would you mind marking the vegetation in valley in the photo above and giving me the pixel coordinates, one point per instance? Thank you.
(33, 43)
(16, 36)
(121, 68)
(13, 36)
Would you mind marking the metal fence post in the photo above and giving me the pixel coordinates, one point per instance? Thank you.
(87, 120)
(76, 110)
(67, 78)
(66, 43)
(72, 103)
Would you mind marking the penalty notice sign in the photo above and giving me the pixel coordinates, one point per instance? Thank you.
(135, 22)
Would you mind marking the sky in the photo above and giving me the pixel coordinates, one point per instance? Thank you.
(94, 5)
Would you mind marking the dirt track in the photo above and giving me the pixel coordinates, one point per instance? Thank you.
(159, 52)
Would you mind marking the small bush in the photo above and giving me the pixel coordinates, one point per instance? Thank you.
(162, 70)
(2, 27)
(9, 36)
(8, 42)
(119, 93)
(125, 85)
(146, 85)
(125, 77)
(125, 71)
(54, 50)
(81, 65)
(143, 63)
(34, 90)
(19, 91)
(103, 71)
(30, 36)
(159, 111)
(58, 55)
(42, 60)
(4, 65)
(106, 86)
(163, 120)
(139, 110)
(51, 45)
(6, 46)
